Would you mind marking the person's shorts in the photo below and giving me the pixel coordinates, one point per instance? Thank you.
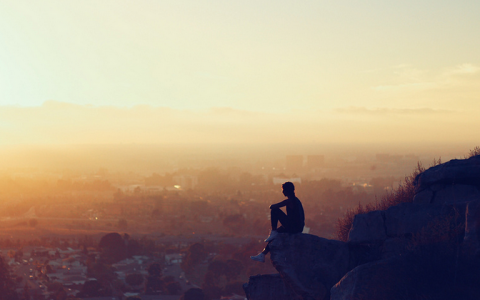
(284, 229)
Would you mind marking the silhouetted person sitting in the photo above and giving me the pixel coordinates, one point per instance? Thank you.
(292, 222)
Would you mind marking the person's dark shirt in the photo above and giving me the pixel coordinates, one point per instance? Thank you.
(296, 214)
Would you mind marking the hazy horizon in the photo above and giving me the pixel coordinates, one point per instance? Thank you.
(148, 159)
(65, 123)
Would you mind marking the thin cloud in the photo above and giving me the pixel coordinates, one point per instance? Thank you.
(414, 86)
(463, 69)
(416, 80)
(392, 111)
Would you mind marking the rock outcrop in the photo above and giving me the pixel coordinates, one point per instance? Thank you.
(400, 221)
(270, 286)
(310, 265)
(398, 253)
(457, 181)
(385, 279)
(471, 241)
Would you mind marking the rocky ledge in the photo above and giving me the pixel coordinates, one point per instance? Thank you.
(426, 249)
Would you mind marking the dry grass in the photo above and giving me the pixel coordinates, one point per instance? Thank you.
(403, 194)
(440, 230)
(474, 152)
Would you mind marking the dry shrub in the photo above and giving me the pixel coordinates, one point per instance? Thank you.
(440, 231)
(402, 194)
(474, 152)
(344, 224)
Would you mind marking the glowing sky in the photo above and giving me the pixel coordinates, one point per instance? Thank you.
(345, 60)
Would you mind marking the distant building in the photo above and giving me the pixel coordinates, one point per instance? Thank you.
(282, 180)
(185, 182)
(294, 163)
(315, 161)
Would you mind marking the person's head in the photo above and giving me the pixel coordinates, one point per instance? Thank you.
(288, 189)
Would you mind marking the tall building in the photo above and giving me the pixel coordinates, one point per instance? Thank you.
(294, 163)
(315, 161)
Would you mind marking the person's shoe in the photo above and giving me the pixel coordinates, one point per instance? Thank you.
(272, 235)
(259, 257)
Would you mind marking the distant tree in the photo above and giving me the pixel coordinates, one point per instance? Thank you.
(60, 294)
(195, 254)
(49, 269)
(217, 267)
(173, 288)
(155, 269)
(168, 279)
(235, 287)
(91, 288)
(101, 271)
(113, 248)
(26, 291)
(6, 284)
(134, 279)
(234, 269)
(122, 224)
(154, 284)
(111, 240)
(133, 248)
(193, 294)
(212, 292)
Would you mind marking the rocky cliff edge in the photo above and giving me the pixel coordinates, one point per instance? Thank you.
(426, 249)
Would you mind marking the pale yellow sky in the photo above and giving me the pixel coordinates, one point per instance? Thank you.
(350, 71)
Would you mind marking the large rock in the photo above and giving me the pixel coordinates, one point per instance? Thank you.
(310, 265)
(456, 171)
(471, 241)
(380, 280)
(395, 247)
(456, 193)
(406, 219)
(368, 227)
(401, 221)
(264, 287)
(424, 197)
(447, 194)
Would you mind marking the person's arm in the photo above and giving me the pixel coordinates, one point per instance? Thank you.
(279, 204)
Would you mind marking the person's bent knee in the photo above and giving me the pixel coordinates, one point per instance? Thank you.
(275, 211)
